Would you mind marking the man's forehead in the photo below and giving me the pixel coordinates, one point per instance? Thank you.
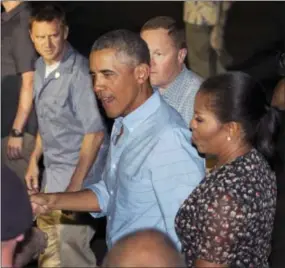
(54, 23)
(158, 38)
(156, 33)
(111, 56)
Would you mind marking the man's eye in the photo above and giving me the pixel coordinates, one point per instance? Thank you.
(198, 119)
(107, 74)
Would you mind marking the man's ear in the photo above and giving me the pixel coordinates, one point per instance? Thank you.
(142, 72)
(182, 55)
(31, 36)
(66, 31)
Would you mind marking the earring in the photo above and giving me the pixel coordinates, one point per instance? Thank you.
(228, 138)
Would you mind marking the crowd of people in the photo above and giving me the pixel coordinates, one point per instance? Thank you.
(148, 177)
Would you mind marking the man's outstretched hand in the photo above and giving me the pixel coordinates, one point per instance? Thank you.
(40, 203)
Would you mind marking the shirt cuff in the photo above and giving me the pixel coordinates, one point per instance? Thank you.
(102, 198)
(93, 124)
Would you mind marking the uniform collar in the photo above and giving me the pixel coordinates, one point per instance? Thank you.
(66, 63)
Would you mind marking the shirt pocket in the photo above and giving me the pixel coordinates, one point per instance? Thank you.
(54, 109)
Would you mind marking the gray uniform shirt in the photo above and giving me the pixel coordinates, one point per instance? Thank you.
(67, 110)
(18, 56)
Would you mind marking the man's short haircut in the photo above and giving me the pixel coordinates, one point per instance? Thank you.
(124, 42)
(48, 13)
(176, 32)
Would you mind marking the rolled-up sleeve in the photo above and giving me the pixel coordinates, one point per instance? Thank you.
(176, 170)
(102, 194)
(85, 103)
(24, 52)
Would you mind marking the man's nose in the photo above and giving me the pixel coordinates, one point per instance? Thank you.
(192, 124)
(152, 62)
(98, 86)
(48, 42)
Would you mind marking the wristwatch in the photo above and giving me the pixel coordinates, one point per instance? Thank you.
(15, 133)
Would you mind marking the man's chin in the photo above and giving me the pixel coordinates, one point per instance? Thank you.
(155, 83)
(111, 114)
(51, 57)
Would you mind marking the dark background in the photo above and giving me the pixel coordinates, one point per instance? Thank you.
(88, 20)
(254, 35)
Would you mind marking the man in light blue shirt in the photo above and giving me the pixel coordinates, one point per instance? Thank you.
(151, 165)
(177, 84)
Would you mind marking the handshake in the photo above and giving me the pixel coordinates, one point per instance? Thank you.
(43, 203)
(40, 203)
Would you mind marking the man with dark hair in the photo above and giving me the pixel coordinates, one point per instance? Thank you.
(151, 165)
(18, 124)
(177, 84)
(145, 248)
(70, 137)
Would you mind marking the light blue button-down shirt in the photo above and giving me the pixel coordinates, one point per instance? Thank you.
(149, 172)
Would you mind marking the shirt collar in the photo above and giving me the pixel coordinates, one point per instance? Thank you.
(176, 82)
(6, 16)
(135, 118)
(66, 64)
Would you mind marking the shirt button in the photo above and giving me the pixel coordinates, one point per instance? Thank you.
(111, 192)
(57, 75)
(109, 217)
(113, 166)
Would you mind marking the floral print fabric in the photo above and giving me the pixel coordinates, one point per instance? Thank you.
(228, 218)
